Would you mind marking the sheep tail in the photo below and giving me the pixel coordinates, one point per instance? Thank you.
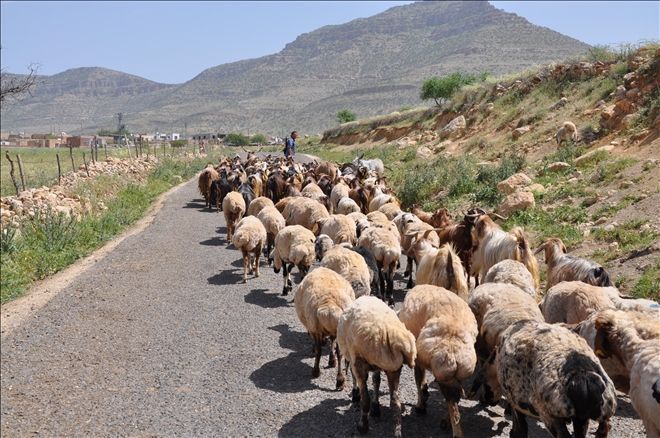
(402, 342)
(586, 391)
(525, 255)
(451, 275)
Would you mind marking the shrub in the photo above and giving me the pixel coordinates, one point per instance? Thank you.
(600, 53)
(345, 116)
(235, 139)
(258, 138)
(178, 143)
(439, 89)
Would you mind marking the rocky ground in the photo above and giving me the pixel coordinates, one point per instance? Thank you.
(161, 338)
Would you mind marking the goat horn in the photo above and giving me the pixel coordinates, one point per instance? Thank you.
(492, 213)
(539, 249)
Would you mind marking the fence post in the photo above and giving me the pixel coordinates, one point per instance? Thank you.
(105, 148)
(11, 172)
(20, 170)
(59, 169)
(73, 166)
(85, 161)
(91, 151)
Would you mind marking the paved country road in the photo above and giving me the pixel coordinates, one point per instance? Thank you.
(161, 338)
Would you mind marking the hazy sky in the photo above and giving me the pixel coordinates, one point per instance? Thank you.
(172, 42)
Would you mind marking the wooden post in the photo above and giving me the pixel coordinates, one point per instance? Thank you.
(59, 169)
(73, 166)
(20, 170)
(11, 172)
(91, 150)
(105, 148)
(86, 168)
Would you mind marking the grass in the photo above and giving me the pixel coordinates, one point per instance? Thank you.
(49, 242)
(560, 222)
(648, 285)
(629, 237)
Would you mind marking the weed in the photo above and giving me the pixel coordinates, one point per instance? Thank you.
(648, 285)
(560, 222)
(629, 237)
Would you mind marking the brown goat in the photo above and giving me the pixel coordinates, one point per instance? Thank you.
(206, 178)
(438, 219)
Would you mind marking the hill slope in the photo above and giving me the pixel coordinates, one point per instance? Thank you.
(370, 65)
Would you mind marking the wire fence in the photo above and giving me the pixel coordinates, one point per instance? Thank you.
(26, 168)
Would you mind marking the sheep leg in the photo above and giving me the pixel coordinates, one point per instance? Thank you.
(603, 428)
(316, 371)
(246, 264)
(422, 390)
(355, 392)
(269, 247)
(257, 254)
(375, 404)
(361, 372)
(395, 401)
(332, 359)
(519, 427)
(285, 274)
(453, 396)
(390, 286)
(580, 427)
(340, 371)
(409, 271)
(557, 428)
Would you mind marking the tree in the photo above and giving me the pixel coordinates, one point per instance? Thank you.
(258, 138)
(13, 86)
(442, 88)
(345, 115)
(237, 139)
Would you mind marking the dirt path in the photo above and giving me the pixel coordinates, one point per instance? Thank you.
(160, 338)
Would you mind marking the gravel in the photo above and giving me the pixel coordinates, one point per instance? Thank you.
(161, 338)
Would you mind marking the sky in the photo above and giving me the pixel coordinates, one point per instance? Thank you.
(172, 42)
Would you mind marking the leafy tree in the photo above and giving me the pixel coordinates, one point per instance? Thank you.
(237, 139)
(258, 138)
(345, 115)
(178, 143)
(442, 88)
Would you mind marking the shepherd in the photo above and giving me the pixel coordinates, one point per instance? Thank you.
(290, 145)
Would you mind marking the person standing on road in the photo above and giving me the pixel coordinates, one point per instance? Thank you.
(290, 145)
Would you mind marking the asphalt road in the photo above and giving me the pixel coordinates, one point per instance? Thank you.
(161, 338)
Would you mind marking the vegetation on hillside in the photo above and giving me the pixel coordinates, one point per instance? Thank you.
(344, 116)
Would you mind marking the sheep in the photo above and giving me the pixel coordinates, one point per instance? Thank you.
(491, 244)
(385, 247)
(610, 348)
(313, 191)
(273, 221)
(512, 272)
(233, 207)
(548, 372)
(571, 302)
(380, 200)
(412, 229)
(339, 192)
(391, 210)
(374, 165)
(205, 181)
(440, 267)
(357, 217)
(496, 306)
(320, 299)
(346, 206)
(250, 236)
(339, 227)
(370, 260)
(372, 338)
(568, 131)
(306, 212)
(258, 204)
(564, 267)
(256, 183)
(378, 217)
(350, 265)
(634, 340)
(643, 305)
(446, 332)
(294, 245)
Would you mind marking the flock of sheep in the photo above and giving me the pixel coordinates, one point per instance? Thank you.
(558, 359)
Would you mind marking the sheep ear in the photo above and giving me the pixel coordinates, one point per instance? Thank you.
(451, 275)
(602, 345)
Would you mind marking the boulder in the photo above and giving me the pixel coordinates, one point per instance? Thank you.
(589, 155)
(558, 166)
(516, 202)
(559, 104)
(456, 126)
(518, 132)
(423, 153)
(536, 188)
(514, 183)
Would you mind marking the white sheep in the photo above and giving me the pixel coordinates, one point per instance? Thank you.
(650, 307)
(380, 200)
(313, 191)
(357, 217)
(440, 267)
(446, 332)
(347, 263)
(564, 267)
(391, 210)
(249, 237)
(347, 205)
(491, 245)
(320, 300)
(306, 212)
(572, 302)
(386, 248)
(339, 227)
(372, 338)
(512, 272)
(338, 192)
(294, 245)
(273, 222)
(630, 341)
(568, 131)
(548, 372)
(233, 207)
(258, 204)
(413, 231)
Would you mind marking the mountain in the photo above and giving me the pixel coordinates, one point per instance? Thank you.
(369, 65)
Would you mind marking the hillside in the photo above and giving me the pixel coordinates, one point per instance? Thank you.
(371, 65)
(601, 199)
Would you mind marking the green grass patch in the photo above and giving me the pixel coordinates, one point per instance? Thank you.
(629, 236)
(48, 242)
(648, 285)
(561, 222)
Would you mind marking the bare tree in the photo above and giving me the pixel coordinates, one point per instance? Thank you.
(14, 86)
